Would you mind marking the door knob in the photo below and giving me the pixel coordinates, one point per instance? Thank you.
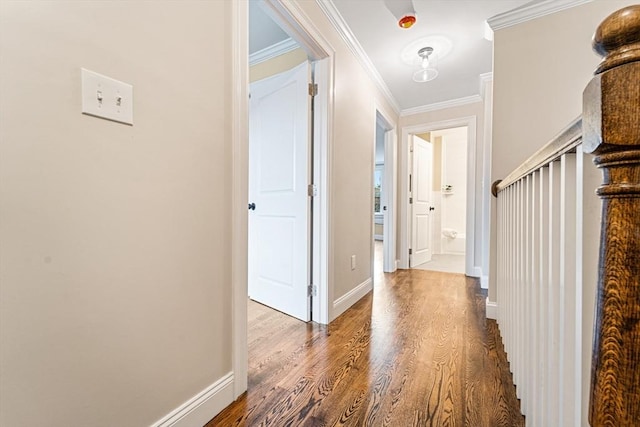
(431, 208)
(384, 208)
(252, 206)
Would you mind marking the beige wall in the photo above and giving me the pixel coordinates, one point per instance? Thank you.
(115, 278)
(277, 65)
(541, 68)
(115, 270)
(352, 161)
(437, 163)
(436, 141)
(436, 242)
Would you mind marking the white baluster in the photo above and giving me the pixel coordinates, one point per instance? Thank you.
(568, 290)
(544, 304)
(526, 294)
(553, 358)
(518, 288)
(510, 278)
(533, 285)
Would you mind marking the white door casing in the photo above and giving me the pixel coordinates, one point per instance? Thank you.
(405, 215)
(389, 241)
(279, 226)
(421, 194)
(385, 121)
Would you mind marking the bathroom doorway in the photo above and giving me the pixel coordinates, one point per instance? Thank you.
(438, 199)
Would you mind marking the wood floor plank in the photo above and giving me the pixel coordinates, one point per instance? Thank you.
(417, 351)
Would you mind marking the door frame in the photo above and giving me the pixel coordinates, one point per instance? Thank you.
(405, 169)
(389, 183)
(297, 25)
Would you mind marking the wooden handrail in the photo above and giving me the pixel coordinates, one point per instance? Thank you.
(565, 142)
(611, 131)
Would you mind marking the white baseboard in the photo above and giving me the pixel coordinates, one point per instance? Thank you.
(492, 309)
(353, 296)
(484, 282)
(202, 407)
(397, 264)
(477, 271)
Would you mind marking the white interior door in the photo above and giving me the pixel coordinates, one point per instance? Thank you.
(421, 192)
(279, 223)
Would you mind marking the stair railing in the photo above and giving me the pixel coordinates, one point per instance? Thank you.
(570, 363)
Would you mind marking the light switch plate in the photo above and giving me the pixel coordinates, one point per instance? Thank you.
(105, 97)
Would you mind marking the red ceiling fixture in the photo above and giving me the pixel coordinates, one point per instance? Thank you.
(403, 11)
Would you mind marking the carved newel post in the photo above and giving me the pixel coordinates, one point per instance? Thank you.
(611, 131)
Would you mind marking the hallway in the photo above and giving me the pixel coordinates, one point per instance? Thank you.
(415, 351)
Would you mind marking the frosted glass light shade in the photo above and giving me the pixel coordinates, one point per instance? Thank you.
(427, 65)
(425, 74)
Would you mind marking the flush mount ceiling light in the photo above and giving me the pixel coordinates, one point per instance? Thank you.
(428, 67)
(442, 45)
(403, 11)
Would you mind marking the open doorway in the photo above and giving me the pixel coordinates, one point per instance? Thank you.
(383, 214)
(439, 211)
(379, 201)
(318, 51)
(280, 155)
(438, 199)
(279, 48)
(302, 31)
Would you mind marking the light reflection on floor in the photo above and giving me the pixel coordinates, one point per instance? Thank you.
(447, 263)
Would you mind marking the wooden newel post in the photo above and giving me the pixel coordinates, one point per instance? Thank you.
(611, 131)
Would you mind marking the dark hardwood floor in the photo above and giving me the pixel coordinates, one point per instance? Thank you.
(417, 351)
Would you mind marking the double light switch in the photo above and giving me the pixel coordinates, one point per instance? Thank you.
(105, 97)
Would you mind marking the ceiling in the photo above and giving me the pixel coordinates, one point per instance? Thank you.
(454, 25)
(263, 32)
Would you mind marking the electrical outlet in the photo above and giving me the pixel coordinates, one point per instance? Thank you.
(105, 97)
(353, 262)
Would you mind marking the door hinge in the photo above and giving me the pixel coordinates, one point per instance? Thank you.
(410, 200)
(312, 291)
(313, 89)
(410, 251)
(312, 190)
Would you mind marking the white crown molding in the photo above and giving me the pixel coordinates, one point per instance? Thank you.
(354, 46)
(531, 11)
(272, 51)
(441, 105)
